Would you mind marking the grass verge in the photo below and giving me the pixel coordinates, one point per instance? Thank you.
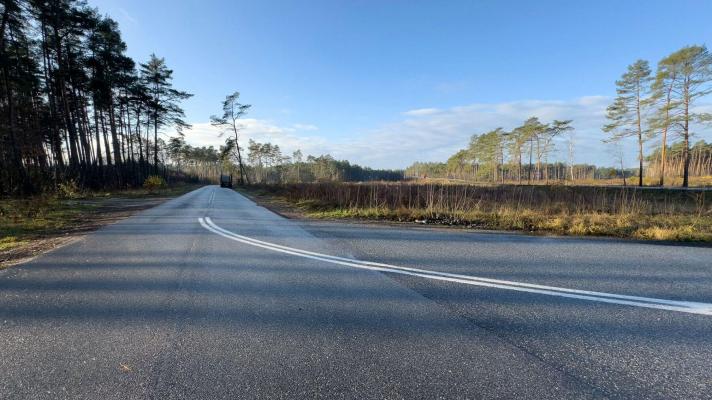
(32, 225)
(651, 215)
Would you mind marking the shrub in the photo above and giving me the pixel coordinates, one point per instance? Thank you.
(68, 190)
(153, 183)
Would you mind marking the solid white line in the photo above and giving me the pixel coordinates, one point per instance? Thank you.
(489, 280)
(662, 304)
(212, 197)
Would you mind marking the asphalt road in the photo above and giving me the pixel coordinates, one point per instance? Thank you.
(209, 296)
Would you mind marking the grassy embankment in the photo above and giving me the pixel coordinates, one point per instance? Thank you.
(23, 221)
(652, 214)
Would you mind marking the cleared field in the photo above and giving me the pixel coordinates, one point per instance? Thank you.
(652, 213)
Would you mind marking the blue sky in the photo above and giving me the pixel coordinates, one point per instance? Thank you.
(384, 83)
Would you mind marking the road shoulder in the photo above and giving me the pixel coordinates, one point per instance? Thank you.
(32, 227)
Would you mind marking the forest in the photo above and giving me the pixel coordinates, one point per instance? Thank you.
(467, 167)
(74, 106)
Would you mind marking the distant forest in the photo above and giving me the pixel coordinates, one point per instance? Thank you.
(266, 164)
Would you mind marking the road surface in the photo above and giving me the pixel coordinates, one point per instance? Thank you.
(210, 296)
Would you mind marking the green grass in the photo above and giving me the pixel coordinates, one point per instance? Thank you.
(10, 242)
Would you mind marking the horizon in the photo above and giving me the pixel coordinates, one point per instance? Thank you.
(353, 81)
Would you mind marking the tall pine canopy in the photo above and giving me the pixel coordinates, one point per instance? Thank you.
(625, 115)
(73, 107)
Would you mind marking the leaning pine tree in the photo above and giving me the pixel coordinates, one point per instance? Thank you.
(625, 115)
(233, 110)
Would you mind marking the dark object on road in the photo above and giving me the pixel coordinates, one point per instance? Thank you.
(225, 180)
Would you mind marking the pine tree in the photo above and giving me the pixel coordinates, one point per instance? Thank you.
(233, 110)
(625, 115)
(689, 77)
(163, 105)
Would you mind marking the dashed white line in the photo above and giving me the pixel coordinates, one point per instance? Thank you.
(637, 301)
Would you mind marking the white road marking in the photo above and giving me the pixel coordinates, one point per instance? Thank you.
(212, 197)
(638, 301)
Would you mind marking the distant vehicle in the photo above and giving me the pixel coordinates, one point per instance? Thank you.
(225, 180)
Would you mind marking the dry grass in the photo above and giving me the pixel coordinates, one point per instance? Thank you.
(657, 214)
(670, 182)
(31, 225)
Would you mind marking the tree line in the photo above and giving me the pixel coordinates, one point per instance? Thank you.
(699, 159)
(73, 105)
(268, 165)
(498, 155)
(264, 163)
(557, 171)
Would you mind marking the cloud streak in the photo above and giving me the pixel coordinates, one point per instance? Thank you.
(432, 134)
(289, 138)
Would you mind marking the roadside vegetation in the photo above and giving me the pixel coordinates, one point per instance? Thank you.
(80, 116)
(516, 178)
(33, 224)
(651, 214)
(75, 107)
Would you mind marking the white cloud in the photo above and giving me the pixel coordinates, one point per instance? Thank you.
(421, 112)
(125, 16)
(288, 138)
(431, 134)
(434, 135)
(305, 127)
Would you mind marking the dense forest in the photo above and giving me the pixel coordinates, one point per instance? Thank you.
(73, 106)
(700, 160)
(473, 172)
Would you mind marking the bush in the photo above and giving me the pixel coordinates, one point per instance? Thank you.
(153, 183)
(68, 190)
